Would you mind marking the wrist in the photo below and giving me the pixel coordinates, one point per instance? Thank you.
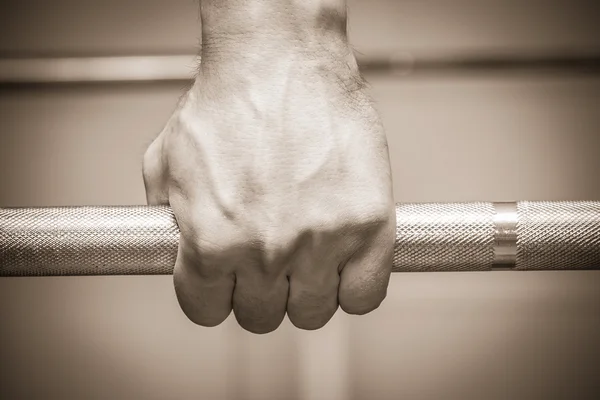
(262, 33)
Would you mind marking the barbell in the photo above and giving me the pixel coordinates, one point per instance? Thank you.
(143, 240)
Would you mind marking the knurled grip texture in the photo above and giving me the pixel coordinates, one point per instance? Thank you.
(142, 240)
(444, 237)
(551, 235)
(133, 240)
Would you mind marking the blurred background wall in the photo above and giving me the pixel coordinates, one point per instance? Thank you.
(455, 135)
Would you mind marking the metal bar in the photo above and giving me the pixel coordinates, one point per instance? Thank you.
(143, 240)
(150, 68)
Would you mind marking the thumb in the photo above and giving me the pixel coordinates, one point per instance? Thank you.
(154, 171)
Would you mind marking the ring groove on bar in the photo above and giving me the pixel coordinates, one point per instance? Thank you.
(505, 239)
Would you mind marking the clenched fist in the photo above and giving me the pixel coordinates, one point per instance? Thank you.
(276, 166)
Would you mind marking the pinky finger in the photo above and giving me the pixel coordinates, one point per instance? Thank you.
(365, 278)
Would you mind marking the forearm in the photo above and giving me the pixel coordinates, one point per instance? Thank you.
(248, 34)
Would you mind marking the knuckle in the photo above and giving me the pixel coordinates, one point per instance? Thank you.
(210, 264)
(369, 216)
(377, 213)
(370, 232)
(267, 249)
(206, 234)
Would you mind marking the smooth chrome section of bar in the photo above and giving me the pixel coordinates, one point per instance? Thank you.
(505, 235)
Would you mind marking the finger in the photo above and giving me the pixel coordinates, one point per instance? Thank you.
(154, 173)
(313, 296)
(365, 277)
(204, 291)
(259, 302)
(314, 281)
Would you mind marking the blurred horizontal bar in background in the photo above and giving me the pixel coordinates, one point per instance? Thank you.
(97, 69)
(139, 68)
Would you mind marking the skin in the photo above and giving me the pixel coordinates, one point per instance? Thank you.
(276, 166)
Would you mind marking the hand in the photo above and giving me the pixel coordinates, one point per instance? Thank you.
(280, 182)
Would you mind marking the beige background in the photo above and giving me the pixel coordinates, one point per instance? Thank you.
(453, 138)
